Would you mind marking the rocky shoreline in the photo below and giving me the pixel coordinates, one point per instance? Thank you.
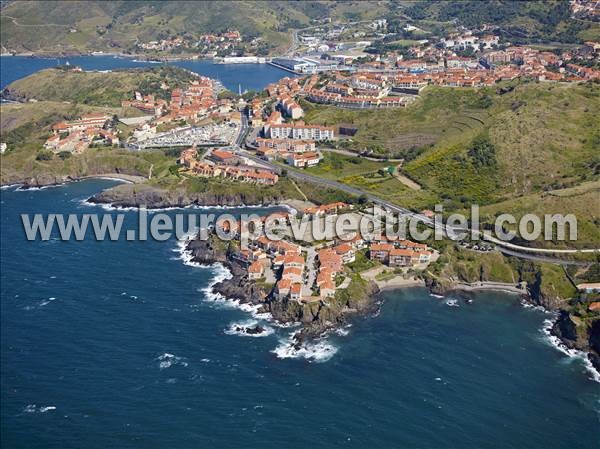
(156, 198)
(49, 180)
(573, 332)
(316, 318)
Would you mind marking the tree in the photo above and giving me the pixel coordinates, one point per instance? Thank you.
(483, 152)
(44, 155)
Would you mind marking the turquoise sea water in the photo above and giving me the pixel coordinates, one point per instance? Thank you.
(233, 76)
(118, 345)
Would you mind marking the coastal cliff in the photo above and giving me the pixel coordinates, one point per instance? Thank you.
(316, 317)
(546, 285)
(154, 197)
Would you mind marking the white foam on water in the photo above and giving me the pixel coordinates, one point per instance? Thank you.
(319, 351)
(167, 360)
(573, 354)
(343, 331)
(32, 408)
(109, 178)
(526, 304)
(10, 186)
(239, 329)
(48, 408)
(21, 188)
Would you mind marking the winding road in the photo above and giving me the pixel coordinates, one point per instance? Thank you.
(539, 254)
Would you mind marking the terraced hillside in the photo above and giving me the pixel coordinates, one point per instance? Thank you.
(515, 145)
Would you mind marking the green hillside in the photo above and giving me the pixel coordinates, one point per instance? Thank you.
(518, 21)
(95, 88)
(524, 146)
(76, 26)
(116, 26)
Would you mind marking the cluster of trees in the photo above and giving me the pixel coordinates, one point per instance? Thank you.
(549, 20)
(482, 152)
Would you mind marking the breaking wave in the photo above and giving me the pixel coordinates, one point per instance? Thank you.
(167, 360)
(574, 354)
(319, 351)
(242, 327)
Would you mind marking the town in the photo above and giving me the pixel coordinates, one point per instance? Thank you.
(211, 128)
(306, 270)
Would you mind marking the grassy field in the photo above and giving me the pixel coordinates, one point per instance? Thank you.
(337, 166)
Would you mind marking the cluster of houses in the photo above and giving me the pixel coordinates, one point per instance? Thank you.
(362, 90)
(287, 265)
(189, 104)
(399, 253)
(297, 153)
(433, 65)
(466, 58)
(207, 44)
(77, 135)
(283, 263)
(371, 85)
(585, 9)
(225, 164)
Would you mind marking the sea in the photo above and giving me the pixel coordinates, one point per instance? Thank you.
(120, 344)
(124, 345)
(235, 77)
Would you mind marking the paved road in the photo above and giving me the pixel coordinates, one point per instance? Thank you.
(243, 130)
(516, 250)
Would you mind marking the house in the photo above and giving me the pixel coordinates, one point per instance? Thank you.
(292, 260)
(296, 291)
(291, 108)
(223, 157)
(399, 257)
(324, 275)
(327, 289)
(424, 256)
(187, 157)
(346, 251)
(329, 259)
(293, 273)
(255, 270)
(282, 288)
(303, 160)
(380, 251)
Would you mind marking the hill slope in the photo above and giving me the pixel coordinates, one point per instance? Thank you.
(96, 88)
(515, 145)
(84, 26)
(77, 26)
